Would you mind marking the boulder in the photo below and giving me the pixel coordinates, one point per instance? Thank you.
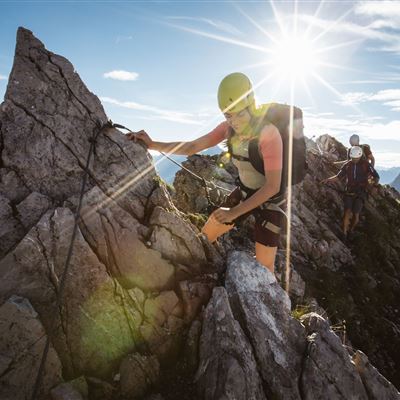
(22, 342)
(117, 238)
(76, 389)
(327, 369)
(227, 367)
(93, 330)
(263, 310)
(137, 374)
(376, 385)
(176, 239)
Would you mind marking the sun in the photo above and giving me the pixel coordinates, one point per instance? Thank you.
(294, 57)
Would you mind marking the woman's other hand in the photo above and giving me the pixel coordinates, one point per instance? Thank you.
(224, 215)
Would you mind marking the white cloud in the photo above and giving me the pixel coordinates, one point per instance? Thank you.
(383, 9)
(365, 118)
(395, 104)
(350, 28)
(386, 159)
(388, 97)
(3, 77)
(121, 75)
(123, 38)
(383, 30)
(368, 129)
(387, 94)
(381, 130)
(156, 113)
(353, 98)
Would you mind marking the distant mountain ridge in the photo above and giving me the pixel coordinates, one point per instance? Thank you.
(167, 169)
(396, 183)
(387, 176)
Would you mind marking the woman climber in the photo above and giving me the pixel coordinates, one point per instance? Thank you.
(261, 192)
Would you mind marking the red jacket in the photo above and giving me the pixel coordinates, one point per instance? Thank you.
(357, 174)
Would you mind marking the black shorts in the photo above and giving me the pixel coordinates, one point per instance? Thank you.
(354, 203)
(268, 223)
(268, 226)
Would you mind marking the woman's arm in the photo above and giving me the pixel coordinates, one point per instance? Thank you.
(210, 139)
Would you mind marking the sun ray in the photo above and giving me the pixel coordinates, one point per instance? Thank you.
(310, 26)
(337, 66)
(308, 91)
(258, 26)
(278, 18)
(332, 25)
(221, 38)
(295, 18)
(336, 92)
(339, 45)
(256, 65)
(327, 85)
(289, 189)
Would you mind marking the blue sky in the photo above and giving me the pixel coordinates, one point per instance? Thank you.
(157, 65)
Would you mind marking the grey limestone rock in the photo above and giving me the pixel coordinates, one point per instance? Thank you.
(227, 368)
(263, 309)
(176, 239)
(328, 370)
(376, 385)
(76, 389)
(22, 341)
(91, 308)
(137, 374)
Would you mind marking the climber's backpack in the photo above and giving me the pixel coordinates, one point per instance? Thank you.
(279, 115)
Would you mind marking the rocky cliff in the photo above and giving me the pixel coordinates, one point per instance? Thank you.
(136, 320)
(139, 271)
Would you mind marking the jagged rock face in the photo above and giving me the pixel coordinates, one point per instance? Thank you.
(357, 282)
(134, 257)
(281, 358)
(228, 367)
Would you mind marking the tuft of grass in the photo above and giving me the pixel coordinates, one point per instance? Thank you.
(170, 188)
(299, 311)
(197, 219)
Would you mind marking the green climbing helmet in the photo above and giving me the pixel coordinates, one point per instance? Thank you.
(235, 93)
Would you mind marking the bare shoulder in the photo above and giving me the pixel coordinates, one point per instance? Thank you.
(270, 133)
